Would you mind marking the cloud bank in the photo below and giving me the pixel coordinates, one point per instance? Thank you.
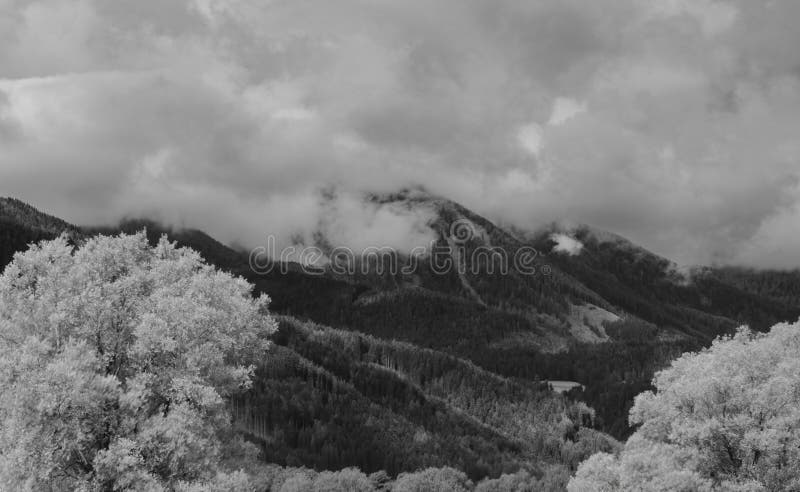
(673, 122)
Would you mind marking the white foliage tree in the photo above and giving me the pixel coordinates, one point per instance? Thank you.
(116, 360)
(726, 418)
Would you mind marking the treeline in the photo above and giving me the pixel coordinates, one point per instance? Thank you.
(20, 213)
(781, 286)
(209, 248)
(290, 479)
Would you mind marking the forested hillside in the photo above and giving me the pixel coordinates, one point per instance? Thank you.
(781, 286)
(410, 407)
(146, 351)
(21, 224)
(512, 324)
(700, 303)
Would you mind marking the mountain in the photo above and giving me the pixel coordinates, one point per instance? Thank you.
(699, 303)
(410, 407)
(575, 304)
(480, 284)
(780, 286)
(22, 224)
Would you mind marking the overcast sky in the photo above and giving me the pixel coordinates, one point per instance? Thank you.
(674, 123)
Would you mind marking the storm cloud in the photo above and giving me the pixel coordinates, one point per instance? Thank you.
(675, 123)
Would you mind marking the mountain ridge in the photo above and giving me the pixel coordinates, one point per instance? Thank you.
(607, 317)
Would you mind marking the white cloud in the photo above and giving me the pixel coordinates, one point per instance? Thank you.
(565, 108)
(715, 17)
(674, 123)
(530, 138)
(566, 244)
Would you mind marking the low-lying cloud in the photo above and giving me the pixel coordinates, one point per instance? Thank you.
(566, 245)
(675, 123)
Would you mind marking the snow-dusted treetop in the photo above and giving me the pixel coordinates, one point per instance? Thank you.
(726, 418)
(115, 361)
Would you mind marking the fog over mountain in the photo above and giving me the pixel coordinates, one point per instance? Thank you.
(674, 123)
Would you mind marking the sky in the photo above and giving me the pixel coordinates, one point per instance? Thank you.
(675, 123)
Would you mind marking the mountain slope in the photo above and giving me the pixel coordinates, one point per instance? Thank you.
(700, 303)
(783, 287)
(411, 407)
(606, 317)
(22, 224)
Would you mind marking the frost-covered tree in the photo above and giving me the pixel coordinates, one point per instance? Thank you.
(726, 418)
(280, 479)
(116, 360)
(444, 479)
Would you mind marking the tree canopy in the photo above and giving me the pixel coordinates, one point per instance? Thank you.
(116, 361)
(725, 418)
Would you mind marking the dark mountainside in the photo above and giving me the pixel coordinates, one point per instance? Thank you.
(21, 224)
(433, 369)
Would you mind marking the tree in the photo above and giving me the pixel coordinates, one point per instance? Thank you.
(116, 363)
(345, 480)
(433, 480)
(725, 418)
